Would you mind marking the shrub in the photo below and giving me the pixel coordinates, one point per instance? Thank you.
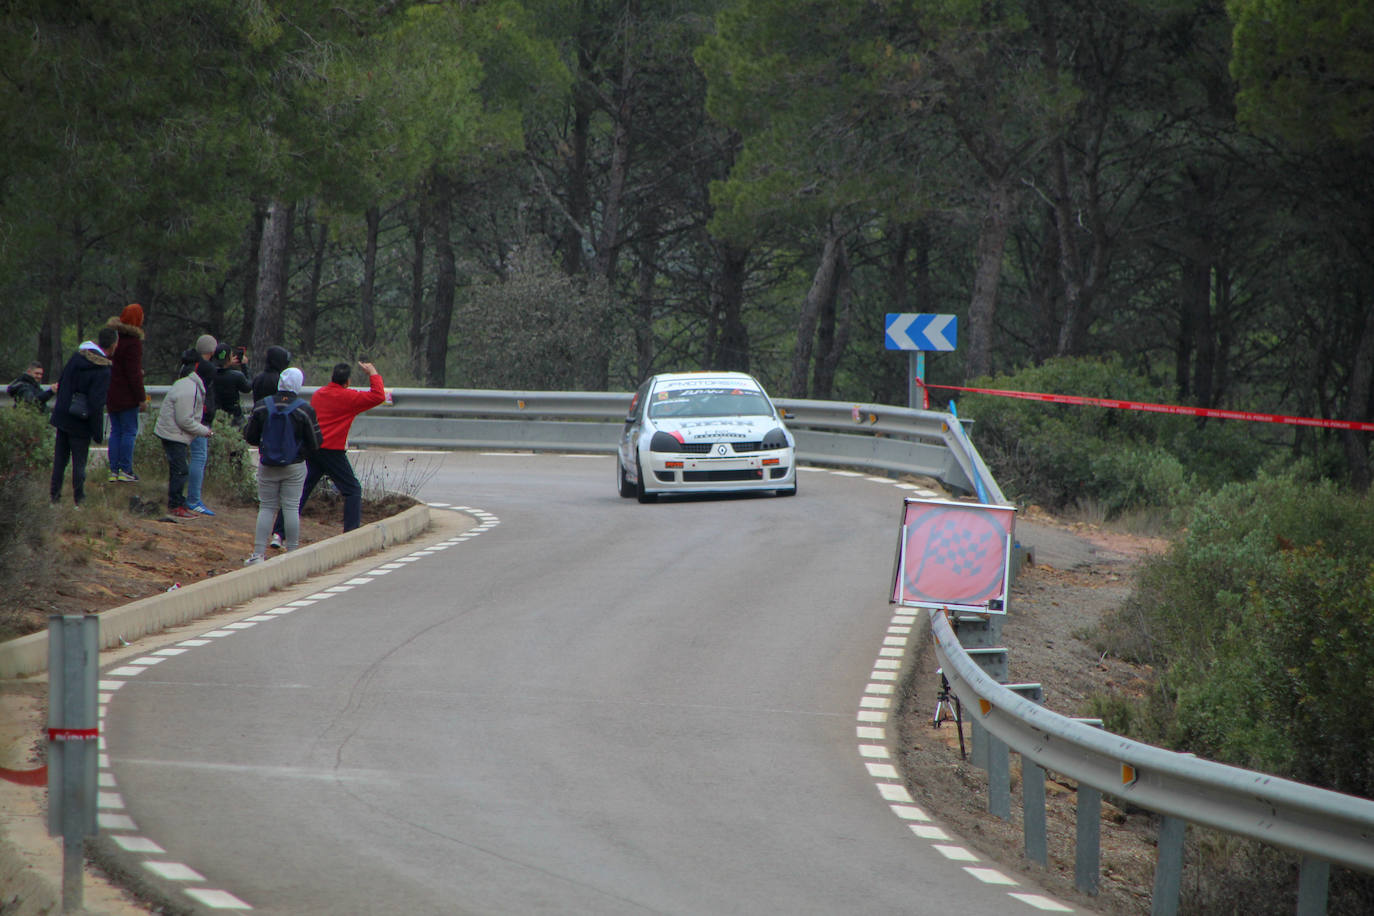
(26, 440)
(1060, 455)
(1261, 623)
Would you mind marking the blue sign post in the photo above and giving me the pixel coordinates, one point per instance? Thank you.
(918, 333)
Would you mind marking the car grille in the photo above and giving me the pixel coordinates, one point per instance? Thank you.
(704, 448)
(710, 476)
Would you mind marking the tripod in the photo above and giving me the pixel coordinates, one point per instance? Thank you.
(947, 707)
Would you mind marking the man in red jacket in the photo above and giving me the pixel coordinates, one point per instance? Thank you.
(335, 407)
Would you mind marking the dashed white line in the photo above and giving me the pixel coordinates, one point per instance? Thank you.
(123, 829)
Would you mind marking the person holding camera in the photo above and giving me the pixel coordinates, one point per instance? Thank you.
(230, 382)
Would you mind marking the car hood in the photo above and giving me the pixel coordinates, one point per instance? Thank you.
(717, 429)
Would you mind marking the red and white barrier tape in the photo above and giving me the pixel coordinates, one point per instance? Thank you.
(1169, 408)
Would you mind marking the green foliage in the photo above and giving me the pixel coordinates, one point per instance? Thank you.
(26, 441)
(1261, 623)
(1060, 455)
(1305, 69)
(229, 473)
(530, 330)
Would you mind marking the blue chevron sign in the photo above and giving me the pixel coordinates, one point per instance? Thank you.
(908, 331)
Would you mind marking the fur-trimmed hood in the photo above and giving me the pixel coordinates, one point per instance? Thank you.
(93, 354)
(124, 329)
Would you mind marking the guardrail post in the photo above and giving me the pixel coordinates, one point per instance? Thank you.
(1313, 884)
(1033, 811)
(999, 778)
(1087, 854)
(978, 745)
(1168, 866)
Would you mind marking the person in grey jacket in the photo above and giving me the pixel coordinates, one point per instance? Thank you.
(178, 423)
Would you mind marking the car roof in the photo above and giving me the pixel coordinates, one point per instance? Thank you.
(738, 379)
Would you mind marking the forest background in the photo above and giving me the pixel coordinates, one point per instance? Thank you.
(571, 194)
(1157, 200)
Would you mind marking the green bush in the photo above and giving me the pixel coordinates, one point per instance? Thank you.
(26, 440)
(1260, 622)
(229, 473)
(1063, 456)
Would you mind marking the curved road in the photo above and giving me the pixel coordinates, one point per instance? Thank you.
(582, 705)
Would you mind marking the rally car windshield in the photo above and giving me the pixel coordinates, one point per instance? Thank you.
(709, 402)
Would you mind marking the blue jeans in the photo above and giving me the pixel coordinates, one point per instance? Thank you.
(177, 471)
(123, 431)
(200, 453)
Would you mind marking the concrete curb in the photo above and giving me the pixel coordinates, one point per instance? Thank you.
(29, 654)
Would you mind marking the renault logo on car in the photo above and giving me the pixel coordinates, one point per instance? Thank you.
(722, 450)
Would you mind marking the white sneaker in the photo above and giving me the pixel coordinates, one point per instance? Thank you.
(276, 541)
(254, 560)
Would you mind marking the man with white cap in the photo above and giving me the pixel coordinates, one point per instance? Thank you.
(284, 428)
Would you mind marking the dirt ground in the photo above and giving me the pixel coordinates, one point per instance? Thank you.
(1078, 573)
(122, 546)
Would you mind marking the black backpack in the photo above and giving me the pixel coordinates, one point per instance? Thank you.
(280, 445)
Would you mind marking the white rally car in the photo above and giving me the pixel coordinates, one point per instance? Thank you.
(704, 432)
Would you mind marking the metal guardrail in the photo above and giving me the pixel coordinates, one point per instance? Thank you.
(1323, 826)
(894, 440)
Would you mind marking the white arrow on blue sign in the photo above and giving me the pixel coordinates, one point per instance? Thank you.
(909, 331)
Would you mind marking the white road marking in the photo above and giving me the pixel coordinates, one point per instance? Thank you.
(955, 853)
(880, 688)
(219, 900)
(874, 751)
(137, 844)
(929, 832)
(909, 813)
(114, 821)
(990, 876)
(893, 792)
(174, 871)
(1041, 902)
(882, 771)
(127, 671)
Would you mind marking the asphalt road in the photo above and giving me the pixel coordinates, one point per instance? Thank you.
(583, 706)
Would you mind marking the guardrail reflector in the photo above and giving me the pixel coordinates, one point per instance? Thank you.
(984, 705)
(1128, 774)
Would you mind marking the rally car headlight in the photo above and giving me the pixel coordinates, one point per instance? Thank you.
(663, 442)
(776, 438)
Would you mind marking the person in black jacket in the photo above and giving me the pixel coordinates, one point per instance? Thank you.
(280, 485)
(87, 375)
(28, 389)
(230, 382)
(265, 382)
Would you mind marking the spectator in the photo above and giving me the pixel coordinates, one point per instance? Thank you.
(230, 382)
(28, 388)
(265, 382)
(335, 407)
(200, 445)
(281, 477)
(127, 396)
(178, 425)
(85, 377)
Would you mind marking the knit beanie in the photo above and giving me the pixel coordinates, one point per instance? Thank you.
(132, 314)
(291, 380)
(205, 345)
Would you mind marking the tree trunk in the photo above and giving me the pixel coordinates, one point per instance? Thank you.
(579, 206)
(417, 290)
(251, 279)
(366, 298)
(310, 308)
(732, 352)
(834, 330)
(269, 314)
(1356, 444)
(445, 287)
(644, 307)
(822, 288)
(982, 307)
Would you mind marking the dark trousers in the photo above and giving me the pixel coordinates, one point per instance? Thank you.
(75, 449)
(178, 471)
(332, 463)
